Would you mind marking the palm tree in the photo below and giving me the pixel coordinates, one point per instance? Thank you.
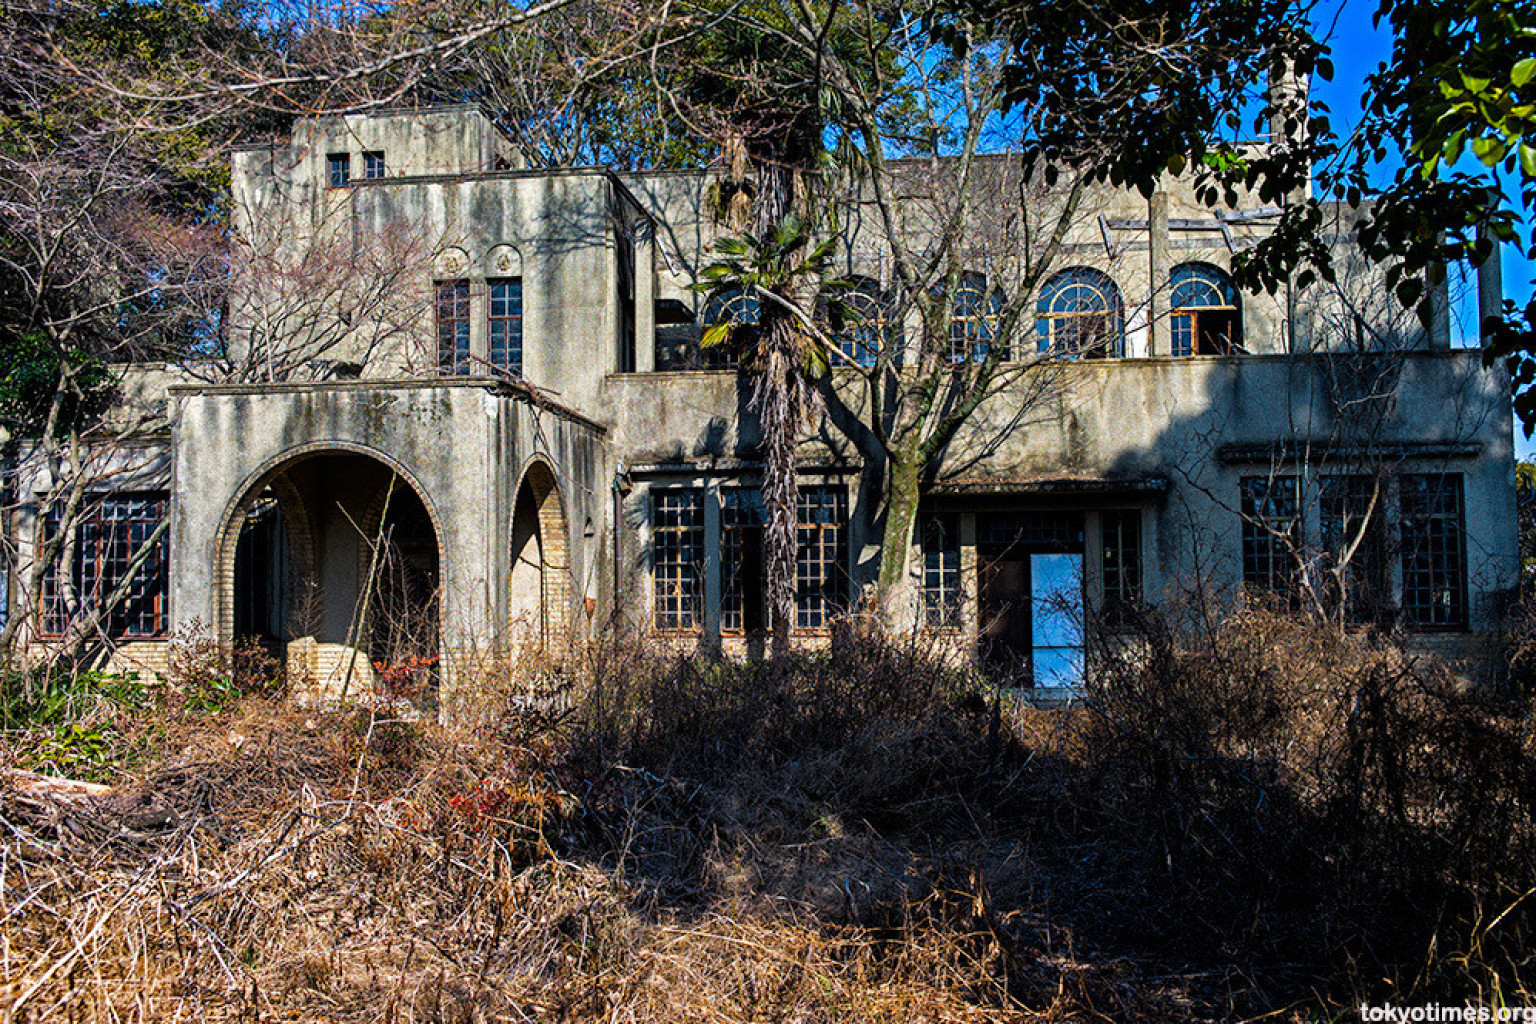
(773, 331)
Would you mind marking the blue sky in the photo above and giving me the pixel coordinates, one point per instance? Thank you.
(1358, 48)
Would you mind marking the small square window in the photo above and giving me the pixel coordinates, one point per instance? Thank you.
(338, 169)
(373, 164)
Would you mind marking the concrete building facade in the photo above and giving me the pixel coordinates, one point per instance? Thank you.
(520, 439)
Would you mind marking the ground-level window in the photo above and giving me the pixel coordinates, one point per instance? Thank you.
(1433, 550)
(821, 533)
(942, 601)
(742, 582)
(681, 560)
(504, 323)
(1351, 518)
(106, 543)
(1120, 537)
(1271, 534)
(453, 352)
(677, 564)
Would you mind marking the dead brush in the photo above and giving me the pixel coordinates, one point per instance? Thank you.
(1344, 796)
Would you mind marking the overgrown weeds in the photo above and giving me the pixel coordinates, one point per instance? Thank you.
(1252, 818)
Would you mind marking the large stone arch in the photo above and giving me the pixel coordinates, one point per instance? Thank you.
(540, 586)
(331, 495)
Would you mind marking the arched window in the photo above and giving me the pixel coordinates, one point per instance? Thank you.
(1206, 315)
(859, 320)
(735, 305)
(1080, 313)
(973, 319)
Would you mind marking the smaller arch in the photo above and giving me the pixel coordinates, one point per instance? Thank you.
(743, 310)
(503, 260)
(450, 261)
(974, 317)
(1080, 313)
(540, 585)
(1206, 312)
(860, 319)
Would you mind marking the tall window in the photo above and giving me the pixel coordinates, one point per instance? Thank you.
(504, 323)
(1434, 550)
(106, 542)
(338, 169)
(1271, 534)
(453, 354)
(942, 602)
(1120, 533)
(1351, 514)
(742, 583)
(677, 566)
(821, 578)
(1206, 317)
(973, 321)
(736, 306)
(860, 321)
(1080, 313)
(373, 164)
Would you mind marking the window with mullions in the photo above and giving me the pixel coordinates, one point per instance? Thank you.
(504, 323)
(1080, 313)
(677, 562)
(742, 583)
(1351, 520)
(453, 353)
(338, 169)
(106, 542)
(736, 306)
(1433, 550)
(942, 594)
(821, 577)
(373, 164)
(1206, 317)
(974, 318)
(1120, 534)
(860, 321)
(1271, 534)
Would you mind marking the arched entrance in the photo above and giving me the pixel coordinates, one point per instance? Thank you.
(335, 556)
(539, 588)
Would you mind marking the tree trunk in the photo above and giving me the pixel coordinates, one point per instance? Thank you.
(895, 602)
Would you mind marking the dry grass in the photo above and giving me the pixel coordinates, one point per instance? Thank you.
(1244, 821)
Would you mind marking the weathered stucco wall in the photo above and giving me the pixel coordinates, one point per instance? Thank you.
(462, 447)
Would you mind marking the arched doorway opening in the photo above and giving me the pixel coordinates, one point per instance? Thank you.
(334, 558)
(539, 587)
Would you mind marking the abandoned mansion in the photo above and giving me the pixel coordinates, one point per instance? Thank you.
(465, 403)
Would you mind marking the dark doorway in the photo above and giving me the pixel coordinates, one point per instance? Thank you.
(1031, 597)
(261, 573)
(403, 610)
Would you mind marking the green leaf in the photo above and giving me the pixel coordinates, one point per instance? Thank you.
(1453, 146)
(1523, 71)
(1176, 164)
(1489, 151)
(1528, 160)
(715, 334)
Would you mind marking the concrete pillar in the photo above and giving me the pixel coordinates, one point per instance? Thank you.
(1440, 315)
(645, 297)
(1490, 287)
(1159, 263)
